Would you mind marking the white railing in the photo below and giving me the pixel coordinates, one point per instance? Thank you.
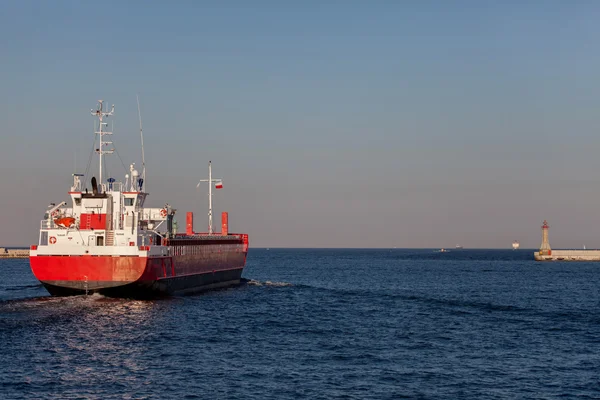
(114, 187)
(153, 214)
(45, 224)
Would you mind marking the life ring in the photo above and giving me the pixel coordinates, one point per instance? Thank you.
(163, 213)
(52, 240)
(55, 213)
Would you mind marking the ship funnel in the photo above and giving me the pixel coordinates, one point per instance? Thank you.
(94, 186)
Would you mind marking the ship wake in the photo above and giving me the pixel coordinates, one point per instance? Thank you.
(23, 287)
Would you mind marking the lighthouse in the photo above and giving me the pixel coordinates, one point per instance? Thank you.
(545, 249)
(546, 253)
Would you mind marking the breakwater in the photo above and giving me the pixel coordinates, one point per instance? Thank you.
(13, 253)
(567, 255)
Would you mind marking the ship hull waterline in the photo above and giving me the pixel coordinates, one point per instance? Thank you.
(129, 277)
(159, 288)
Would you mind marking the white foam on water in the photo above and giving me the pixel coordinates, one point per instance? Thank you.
(278, 284)
(268, 283)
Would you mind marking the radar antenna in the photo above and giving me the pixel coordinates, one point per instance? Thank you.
(100, 113)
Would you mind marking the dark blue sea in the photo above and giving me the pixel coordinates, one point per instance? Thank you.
(318, 324)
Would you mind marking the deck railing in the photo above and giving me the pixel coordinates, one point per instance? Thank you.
(45, 224)
(115, 187)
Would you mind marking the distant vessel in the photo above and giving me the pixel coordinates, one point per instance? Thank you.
(515, 245)
(458, 247)
(443, 251)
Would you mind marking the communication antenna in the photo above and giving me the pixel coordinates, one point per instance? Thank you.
(142, 137)
(101, 114)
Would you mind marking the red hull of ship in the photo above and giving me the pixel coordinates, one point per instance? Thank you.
(131, 276)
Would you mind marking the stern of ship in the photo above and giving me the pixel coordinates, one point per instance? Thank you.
(75, 274)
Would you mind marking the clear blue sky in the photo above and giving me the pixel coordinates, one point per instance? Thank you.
(332, 123)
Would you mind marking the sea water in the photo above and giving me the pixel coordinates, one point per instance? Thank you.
(318, 324)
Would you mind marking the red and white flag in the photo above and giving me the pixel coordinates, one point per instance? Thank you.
(219, 185)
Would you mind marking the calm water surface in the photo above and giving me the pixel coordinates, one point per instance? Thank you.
(319, 324)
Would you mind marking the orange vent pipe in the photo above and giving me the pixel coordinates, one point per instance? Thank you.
(189, 223)
(224, 221)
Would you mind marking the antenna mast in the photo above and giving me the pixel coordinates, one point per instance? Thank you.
(142, 137)
(100, 113)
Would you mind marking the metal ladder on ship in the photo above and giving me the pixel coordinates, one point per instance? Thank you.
(110, 238)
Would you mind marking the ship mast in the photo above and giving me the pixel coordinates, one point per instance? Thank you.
(142, 137)
(210, 181)
(210, 198)
(100, 113)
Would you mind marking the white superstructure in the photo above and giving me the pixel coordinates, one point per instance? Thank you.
(109, 219)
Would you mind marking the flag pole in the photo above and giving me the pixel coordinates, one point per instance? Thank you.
(210, 231)
(219, 184)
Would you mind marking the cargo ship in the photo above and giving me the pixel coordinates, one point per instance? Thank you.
(107, 241)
